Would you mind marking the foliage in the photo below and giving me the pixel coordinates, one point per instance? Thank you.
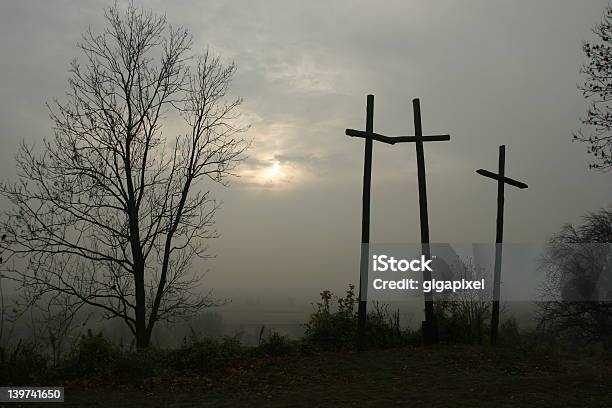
(597, 89)
(384, 331)
(462, 316)
(329, 329)
(276, 344)
(334, 327)
(94, 355)
(22, 364)
(205, 355)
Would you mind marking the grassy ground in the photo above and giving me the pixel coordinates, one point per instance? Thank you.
(410, 377)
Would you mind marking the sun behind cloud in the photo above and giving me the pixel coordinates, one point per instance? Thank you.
(272, 174)
(269, 173)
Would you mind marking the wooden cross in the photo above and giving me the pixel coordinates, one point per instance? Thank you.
(429, 325)
(501, 179)
(369, 135)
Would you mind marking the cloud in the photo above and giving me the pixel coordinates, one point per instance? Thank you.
(304, 75)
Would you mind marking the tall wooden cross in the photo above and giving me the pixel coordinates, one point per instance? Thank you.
(429, 325)
(369, 135)
(501, 179)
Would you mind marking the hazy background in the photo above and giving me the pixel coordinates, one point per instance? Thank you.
(487, 72)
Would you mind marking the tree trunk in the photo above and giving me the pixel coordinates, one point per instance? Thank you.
(142, 337)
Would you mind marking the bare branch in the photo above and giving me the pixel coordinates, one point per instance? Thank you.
(110, 212)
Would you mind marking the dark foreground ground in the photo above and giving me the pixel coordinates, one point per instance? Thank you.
(412, 377)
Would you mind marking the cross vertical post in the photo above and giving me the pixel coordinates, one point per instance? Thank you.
(502, 180)
(365, 226)
(429, 325)
(499, 238)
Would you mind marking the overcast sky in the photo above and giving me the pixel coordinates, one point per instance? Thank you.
(487, 72)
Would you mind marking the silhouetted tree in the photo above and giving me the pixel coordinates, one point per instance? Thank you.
(597, 89)
(578, 264)
(111, 211)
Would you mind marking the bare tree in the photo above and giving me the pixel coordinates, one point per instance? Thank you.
(111, 211)
(597, 89)
(578, 266)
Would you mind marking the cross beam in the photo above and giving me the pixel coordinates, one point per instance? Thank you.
(502, 180)
(505, 180)
(395, 139)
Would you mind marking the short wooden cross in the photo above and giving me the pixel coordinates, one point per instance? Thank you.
(502, 180)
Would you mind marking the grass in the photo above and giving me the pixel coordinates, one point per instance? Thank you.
(449, 376)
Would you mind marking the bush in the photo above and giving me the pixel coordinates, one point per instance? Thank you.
(384, 330)
(94, 355)
(336, 329)
(463, 317)
(204, 355)
(453, 327)
(276, 344)
(333, 330)
(137, 366)
(22, 364)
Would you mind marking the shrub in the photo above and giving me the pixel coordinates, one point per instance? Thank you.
(334, 327)
(204, 355)
(333, 330)
(94, 355)
(137, 366)
(276, 344)
(462, 316)
(22, 364)
(384, 330)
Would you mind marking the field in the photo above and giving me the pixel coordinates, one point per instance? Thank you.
(411, 377)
